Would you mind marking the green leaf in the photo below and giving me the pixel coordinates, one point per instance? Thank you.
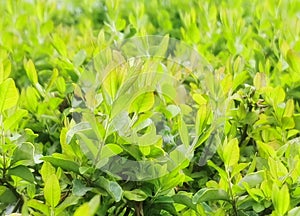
(84, 209)
(14, 120)
(60, 85)
(38, 205)
(120, 24)
(142, 103)
(281, 199)
(31, 72)
(259, 80)
(135, 195)
(163, 47)
(209, 194)
(201, 119)
(79, 189)
(185, 200)
(52, 79)
(24, 153)
(69, 201)
(293, 60)
(52, 191)
(199, 99)
(4, 72)
(113, 188)
(110, 150)
(253, 179)
(47, 170)
(173, 111)
(89, 208)
(289, 108)
(59, 45)
(231, 152)
(294, 212)
(240, 79)
(183, 132)
(58, 161)
(88, 146)
(163, 199)
(221, 172)
(22, 172)
(6, 195)
(94, 204)
(238, 168)
(79, 58)
(80, 127)
(8, 95)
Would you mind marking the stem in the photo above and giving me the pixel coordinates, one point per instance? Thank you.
(2, 142)
(139, 209)
(3, 180)
(101, 144)
(233, 200)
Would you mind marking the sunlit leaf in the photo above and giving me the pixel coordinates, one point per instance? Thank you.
(52, 190)
(8, 95)
(142, 103)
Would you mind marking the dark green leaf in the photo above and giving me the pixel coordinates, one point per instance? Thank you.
(22, 172)
(63, 163)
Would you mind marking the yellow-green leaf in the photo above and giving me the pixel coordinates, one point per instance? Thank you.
(52, 190)
(289, 108)
(4, 71)
(9, 94)
(259, 80)
(31, 72)
(281, 199)
(142, 103)
(231, 152)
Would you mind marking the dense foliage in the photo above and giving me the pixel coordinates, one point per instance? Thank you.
(220, 136)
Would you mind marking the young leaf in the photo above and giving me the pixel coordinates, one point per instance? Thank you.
(231, 152)
(79, 58)
(8, 95)
(52, 191)
(31, 72)
(259, 80)
(84, 209)
(33, 203)
(289, 108)
(47, 170)
(142, 103)
(110, 150)
(59, 45)
(4, 73)
(163, 47)
(281, 199)
(293, 60)
(183, 132)
(13, 121)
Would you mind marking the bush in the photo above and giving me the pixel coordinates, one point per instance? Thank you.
(100, 117)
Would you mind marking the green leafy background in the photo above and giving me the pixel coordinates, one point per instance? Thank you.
(254, 50)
